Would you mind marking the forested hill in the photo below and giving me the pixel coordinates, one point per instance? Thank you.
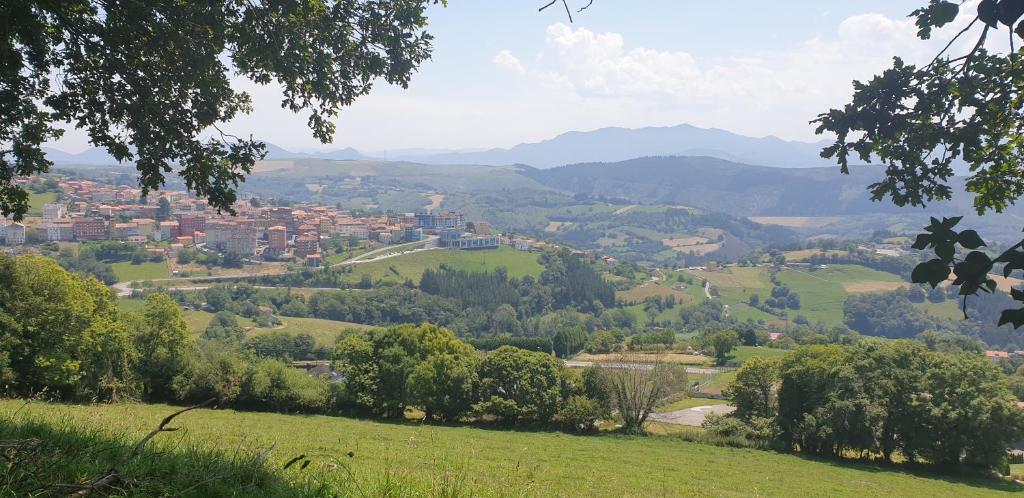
(738, 189)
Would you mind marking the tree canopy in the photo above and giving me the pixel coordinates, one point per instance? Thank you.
(918, 121)
(147, 81)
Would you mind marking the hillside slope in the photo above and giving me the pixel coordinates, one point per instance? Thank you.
(743, 190)
(509, 463)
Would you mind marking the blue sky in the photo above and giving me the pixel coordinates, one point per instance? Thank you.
(503, 73)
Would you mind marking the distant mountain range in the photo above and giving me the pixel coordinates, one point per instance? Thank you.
(606, 144)
(602, 145)
(618, 144)
(99, 157)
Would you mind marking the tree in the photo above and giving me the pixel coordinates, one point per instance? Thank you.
(224, 327)
(722, 343)
(109, 360)
(971, 414)
(163, 209)
(147, 80)
(44, 315)
(445, 385)
(638, 387)
(163, 343)
(568, 342)
(212, 372)
(516, 384)
(753, 390)
(918, 121)
(379, 364)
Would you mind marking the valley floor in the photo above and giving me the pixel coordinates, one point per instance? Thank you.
(502, 462)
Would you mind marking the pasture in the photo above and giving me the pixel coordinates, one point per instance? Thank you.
(410, 266)
(424, 459)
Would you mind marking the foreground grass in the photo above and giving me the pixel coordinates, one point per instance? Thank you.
(433, 460)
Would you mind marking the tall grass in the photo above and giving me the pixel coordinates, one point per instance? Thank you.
(53, 456)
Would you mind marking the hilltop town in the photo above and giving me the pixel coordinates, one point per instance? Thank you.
(171, 221)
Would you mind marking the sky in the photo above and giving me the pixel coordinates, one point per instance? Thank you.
(503, 73)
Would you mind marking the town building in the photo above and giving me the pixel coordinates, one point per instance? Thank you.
(90, 229)
(447, 221)
(54, 210)
(189, 224)
(277, 239)
(168, 230)
(60, 231)
(14, 235)
(306, 245)
(481, 227)
(455, 239)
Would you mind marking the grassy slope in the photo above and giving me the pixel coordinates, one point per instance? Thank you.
(822, 292)
(36, 202)
(411, 266)
(126, 271)
(499, 462)
(324, 331)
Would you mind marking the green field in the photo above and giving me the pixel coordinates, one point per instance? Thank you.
(127, 272)
(488, 462)
(822, 291)
(411, 266)
(36, 202)
(744, 353)
(686, 403)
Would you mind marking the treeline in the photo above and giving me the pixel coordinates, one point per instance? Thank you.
(94, 258)
(894, 316)
(896, 399)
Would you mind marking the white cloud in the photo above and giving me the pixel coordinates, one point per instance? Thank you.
(755, 93)
(506, 60)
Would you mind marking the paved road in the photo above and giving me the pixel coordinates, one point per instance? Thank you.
(691, 416)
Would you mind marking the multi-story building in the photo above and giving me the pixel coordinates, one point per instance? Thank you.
(481, 227)
(146, 226)
(411, 234)
(277, 239)
(242, 243)
(454, 239)
(189, 224)
(54, 210)
(60, 230)
(446, 221)
(168, 230)
(306, 245)
(14, 234)
(90, 228)
(121, 231)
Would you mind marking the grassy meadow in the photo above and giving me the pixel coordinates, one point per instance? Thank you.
(423, 460)
(126, 271)
(822, 291)
(411, 266)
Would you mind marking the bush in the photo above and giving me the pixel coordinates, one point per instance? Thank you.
(580, 414)
(274, 386)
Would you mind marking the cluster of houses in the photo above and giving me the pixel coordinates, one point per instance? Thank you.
(169, 221)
